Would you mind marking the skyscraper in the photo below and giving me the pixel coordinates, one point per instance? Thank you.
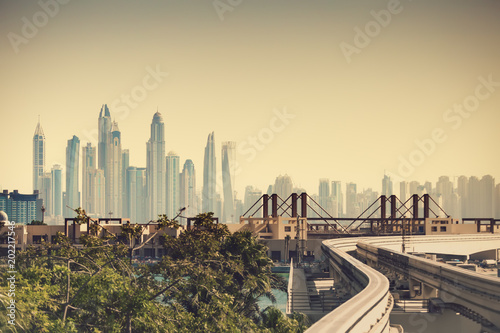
(38, 156)
(283, 186)
(251, 196)
(89, 163)
(444, 190)
(172, 184)
(135, 206)
(156, 169)
(387, 186)
(123, 177)
(72, 166)
(338, 197)
(474, 193)
(188, 189)
(462, 190)
(209, 176)
(228, 158)
(113, 173)
(487, 196)
(56, 190)
(404, 191)
(352, 209)
(45, 183)
(104, 132)
(93, 184)
(324, 193)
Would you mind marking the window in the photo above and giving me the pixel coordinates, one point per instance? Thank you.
(288, 229)
(442, 229)
(434, 229)
(38, 239)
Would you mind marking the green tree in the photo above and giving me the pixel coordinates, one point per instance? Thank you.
(209, 281)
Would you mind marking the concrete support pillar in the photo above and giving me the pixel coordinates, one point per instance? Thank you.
(415, 288)
(428, 292)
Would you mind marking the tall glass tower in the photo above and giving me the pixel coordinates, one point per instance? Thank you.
(188, 189)
(155, 168)
(38, 156)
(172, 183)
(56, 190)
(228, 165)
(113, 173)
(209, 176)
(104, 133)
(72, 160)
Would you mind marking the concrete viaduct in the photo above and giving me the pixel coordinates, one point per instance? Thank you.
(471, 294)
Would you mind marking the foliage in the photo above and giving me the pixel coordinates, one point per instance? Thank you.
(35, 222)
(209, 281)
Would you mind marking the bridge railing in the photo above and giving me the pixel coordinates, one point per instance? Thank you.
(369, 309)
(289, 299)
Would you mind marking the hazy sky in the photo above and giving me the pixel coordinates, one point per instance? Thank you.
(356, 83)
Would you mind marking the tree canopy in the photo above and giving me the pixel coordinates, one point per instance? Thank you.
(209, 280)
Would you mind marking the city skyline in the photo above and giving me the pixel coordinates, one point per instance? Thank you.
(287, 90)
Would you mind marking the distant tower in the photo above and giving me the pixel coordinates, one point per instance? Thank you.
(38, 156)
(123, 177)
(72, 165)
(209, 176)
(251, 196)
(283, 186)
(324, 192)
(104, 132)
(135, 206)
(338, 197)
(172, 184)
(351, 200)
(487, 196)
(56, 175)
(387, 186)
(113, 173)
(156, 169)
(89, 164)
(228, 164)
(188, 189)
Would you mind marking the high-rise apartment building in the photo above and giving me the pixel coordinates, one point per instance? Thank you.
(123, 177)
(324, 193)
(38, 156)
(251, 196)
(463, 193)
(338, 197)
(113, 173)
(487, 197)
(387, 186)
(209, 177)
(89, 163)
(135, 206)
(156, 169)
(474, 198)
(283, 186)
(103, 136)
(172, 184)
(187, 191)
(56, 177)
(72, 195)
(404, 191)
(228, 157)
(352, 209)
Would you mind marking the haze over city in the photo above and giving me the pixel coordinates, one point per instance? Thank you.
(313, 90)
